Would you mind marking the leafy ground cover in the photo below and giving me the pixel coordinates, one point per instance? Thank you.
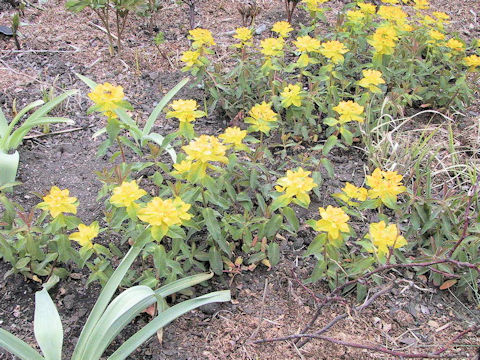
(268, 303)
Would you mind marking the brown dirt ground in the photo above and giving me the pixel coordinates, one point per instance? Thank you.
(413, 317)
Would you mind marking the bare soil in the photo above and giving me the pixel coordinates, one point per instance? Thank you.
(56, 44)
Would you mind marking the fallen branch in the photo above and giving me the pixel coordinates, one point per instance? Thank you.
(57, 132)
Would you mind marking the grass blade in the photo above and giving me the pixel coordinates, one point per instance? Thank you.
(47, 326)
(18, 347)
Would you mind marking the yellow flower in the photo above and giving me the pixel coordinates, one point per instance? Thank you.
(201, 37)
(333, 50)
(421, 4)
(355, 15)
(472, 62)
(393, 2)
(272, 46)
(367, 8)
(436, 35)
(185, 110)
(234, 135)
(163, 214)
(441, 16)
(85, 234)
(370, 80)
(428, 20)
(296, 184)
(58, 201)
(282, 28)
(385, 185)
(356, 193)
(392, 13)
(262, 117)
(291, 96)
(107, 98)
(384, 237)
(244, 35)
(349, 111)
(383, 40)
(307, 44)
(182, 167)
(206, 148)
(313, 5)
(125, 194)
(333, 221)
(455, 45)
(191, 58)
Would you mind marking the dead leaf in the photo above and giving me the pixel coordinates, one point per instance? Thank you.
(151, 310)
(447, 284)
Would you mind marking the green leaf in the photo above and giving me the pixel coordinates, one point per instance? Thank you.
(273, 251)
(289, 214)
(47, 326)
(90, 83)
(329, 145)
(215, 260)
(18, 347)
(164, 319)
(328, 166)
(215, 231)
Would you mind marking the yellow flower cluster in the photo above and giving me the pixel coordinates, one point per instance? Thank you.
(163, 214)
(191, 58)
(58, 201)
(307, 44)
(349, 111)
(262, 118)
(234, 135)
(107, 98)
(367, 8)
(383, 40)
(393, 14)
(370, 80)
(334, 221)
(201, 38)
(385, 185)
(455, 45)
(296, 184)
(333, 50)
(272, 47)
(356, 16)
(472, 61)
(421, 4)
(351, 192)
(85, 234)
(126, 194)
(282, 28)
(244, 35)
(185, 111)
(385, 237)
(313, 5)
(291, 96)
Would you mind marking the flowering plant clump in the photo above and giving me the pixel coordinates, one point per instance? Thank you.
(296, 185)
(334, 221)
(186, 112)
(385, 237)
(262, 118)
(107, 98)
(385, 185)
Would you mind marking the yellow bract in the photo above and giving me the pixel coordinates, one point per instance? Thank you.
(272, 46)
(370, 80)
(125, 194)
(162, 214)
(367, 8)
(441, 16)
(472, 61)
(455, 45)
(392, 13)
(393, 2)
(244, 35)
(191, 58)
(201, 38)
(291, 96)
(182, 167)
(85, 234)
(58, 201)
(436, 35)
(313, 5)
(205, 148)
(333, 221)
(282, 28)
(421, 4)
(307, 44)
(234, 135)
(356, 15)
(296, 184)
(356, 193)
(385, 185)
(333, 50)
(383, 40)
(384, 237)
(106, 97)
(349, 111)
(262, 117)
(185, 110)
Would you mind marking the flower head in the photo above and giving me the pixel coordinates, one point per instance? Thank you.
(370, 80)
(191, 58)
(296, 184)
(58, 201)
(291, 96)
(204, 149)
(272, 47)
(349, 111)
(313, 5)
(107, 98)
(333, 50)
(182, 167)
(185, 110)
(163, 214)
(234, 135)
(441, 16)
(385, 185)
(125, 194)
(384, 237)
(282, 28)
(421, 4)
(436, 35)
(383, 40)
(356, 16)
(244, 35)
(307, 44)
(367, 8)
(333, 221)
(393, 2)
(472, 62)
(201, 38)
(85, 234)
(455, 45)
(392, 13)
(262, 117)
(350, 191)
